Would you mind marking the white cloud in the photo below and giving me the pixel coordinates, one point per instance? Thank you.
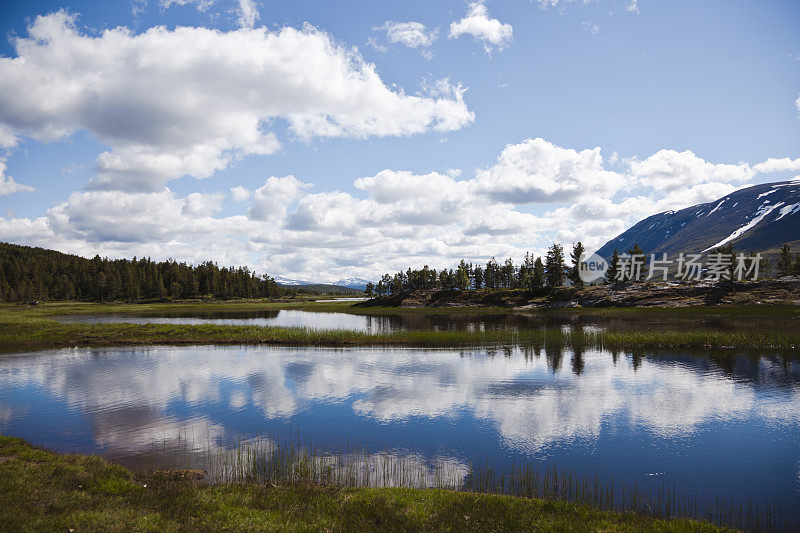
(240, 194)
(270, 201)
(536, 192)
(783, 164)
(538, 171)
(668, 170)
(189, 101)
(200, 205)
(248, 13)
(7, 183)
(410, 34)
(477, 23)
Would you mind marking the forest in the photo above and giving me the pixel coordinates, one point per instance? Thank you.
(30, 274)
(535, 273)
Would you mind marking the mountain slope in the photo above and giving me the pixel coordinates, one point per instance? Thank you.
(760, 218)
(355, 285)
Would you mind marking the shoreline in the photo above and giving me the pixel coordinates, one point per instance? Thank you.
(33, 327)
(44, 490)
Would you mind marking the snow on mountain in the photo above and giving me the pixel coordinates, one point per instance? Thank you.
(760, 219)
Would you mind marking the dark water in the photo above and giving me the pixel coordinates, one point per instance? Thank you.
(713, 425)
(448, 321)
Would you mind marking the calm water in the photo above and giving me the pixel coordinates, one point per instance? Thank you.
(444, 321)
(712, 425)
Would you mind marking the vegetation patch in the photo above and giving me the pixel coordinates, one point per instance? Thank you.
(61, 493)
(35, 327)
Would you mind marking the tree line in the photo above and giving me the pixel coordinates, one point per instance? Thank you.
(535, 273)
(28, 274)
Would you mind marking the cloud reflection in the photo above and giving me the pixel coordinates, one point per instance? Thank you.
(135, 396)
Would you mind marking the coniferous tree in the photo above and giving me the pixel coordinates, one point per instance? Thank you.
(574, 273)
(538, 274)
(785, 261)
(613, 267)
(477, 277)
(554, 266)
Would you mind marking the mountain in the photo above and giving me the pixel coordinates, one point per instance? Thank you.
(761, 218)
(358, 284)
(288, 281)
(344, 286)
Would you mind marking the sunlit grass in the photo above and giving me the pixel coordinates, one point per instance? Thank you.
(42, 491)
(22, 328)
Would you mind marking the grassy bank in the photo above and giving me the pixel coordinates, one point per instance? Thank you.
(43, 491)
(35, 327)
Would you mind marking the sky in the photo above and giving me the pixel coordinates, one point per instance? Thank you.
(332, 140)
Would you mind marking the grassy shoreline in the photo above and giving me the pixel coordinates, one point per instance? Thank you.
(34, 327)
(41, 490)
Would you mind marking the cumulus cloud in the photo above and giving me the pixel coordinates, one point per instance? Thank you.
(270, 201)
(7, 183)
(668, 170)
(491, 32)
(190, 101)
(240, 194)
(783, 164)
(539, 171)
(534, 193)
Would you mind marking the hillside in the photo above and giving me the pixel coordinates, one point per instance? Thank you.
(761, 218)
(28, 274)
(320, 288)
(766, 292)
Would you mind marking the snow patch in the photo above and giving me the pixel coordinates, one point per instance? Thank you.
(759, 216)
(718, 205)
(789, 210)
(766, 193)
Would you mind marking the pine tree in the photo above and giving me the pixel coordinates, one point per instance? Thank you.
(575, 271)
(554, 266)
(613, 268)
(477, 277)
(538, 274)
(785, 262)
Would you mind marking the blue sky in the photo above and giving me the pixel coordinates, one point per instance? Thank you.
(683, 99)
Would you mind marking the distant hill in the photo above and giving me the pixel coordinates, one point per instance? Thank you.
(28, 274)
(761, 218)
(344, 285)
(320, 288)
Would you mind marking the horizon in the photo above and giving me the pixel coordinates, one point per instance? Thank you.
(345, 142)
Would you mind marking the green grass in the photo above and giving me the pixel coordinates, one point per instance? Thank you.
(35, 327)
(43, 491)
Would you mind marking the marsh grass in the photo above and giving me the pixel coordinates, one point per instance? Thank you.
(275, 461)
(21, 332)
(45, 491)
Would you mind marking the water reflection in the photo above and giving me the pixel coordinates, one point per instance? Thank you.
(449, 321)
(619, 413)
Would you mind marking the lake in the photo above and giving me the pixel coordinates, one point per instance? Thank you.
(449, 321)
(713, 424)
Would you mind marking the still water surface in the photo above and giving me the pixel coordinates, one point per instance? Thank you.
(449, 321)
(713, 425)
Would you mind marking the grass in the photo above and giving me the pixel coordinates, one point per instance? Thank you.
(44, 491)
(34, 327)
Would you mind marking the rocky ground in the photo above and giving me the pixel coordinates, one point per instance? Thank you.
(783, 291)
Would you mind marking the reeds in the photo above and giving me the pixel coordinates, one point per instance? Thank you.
(40, 332)
(269, 460)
